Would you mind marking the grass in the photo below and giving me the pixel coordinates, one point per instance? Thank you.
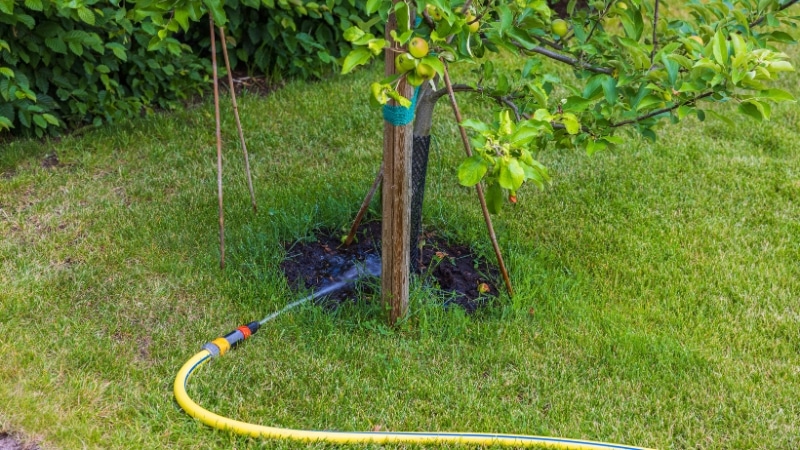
(657, 286)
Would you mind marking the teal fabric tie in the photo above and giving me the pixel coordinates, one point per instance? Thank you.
(400, 115)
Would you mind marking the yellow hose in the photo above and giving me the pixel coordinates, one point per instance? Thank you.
(337, 437)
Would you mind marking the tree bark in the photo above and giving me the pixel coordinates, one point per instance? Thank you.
(396, 195)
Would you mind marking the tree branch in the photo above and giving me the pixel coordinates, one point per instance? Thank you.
(552, 44)
(762, 18)
(658, 112)
(597, 22)
(504, 100)
(655, 35)
(564, 59)
(436, 95)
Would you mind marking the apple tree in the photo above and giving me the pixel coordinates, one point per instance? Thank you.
(635, 64)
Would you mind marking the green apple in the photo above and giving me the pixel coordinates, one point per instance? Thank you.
(425, 71)
(414, 79)
(559, 27)
(405, 62)
(418, 47)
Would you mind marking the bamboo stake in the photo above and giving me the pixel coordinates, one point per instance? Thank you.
(236, 116)
(364, 207)
(478, 187)
(219, 145)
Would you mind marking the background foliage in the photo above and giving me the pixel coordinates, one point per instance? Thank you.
(68, 64)
(286, 39)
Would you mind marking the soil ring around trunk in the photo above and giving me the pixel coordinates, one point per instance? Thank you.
(461, 277)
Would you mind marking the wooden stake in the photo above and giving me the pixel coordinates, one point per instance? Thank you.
(396, 226)
(236, 116)
(219, 145)
(478, 188)
(364, 206)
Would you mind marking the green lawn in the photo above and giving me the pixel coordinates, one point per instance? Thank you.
(658, 286)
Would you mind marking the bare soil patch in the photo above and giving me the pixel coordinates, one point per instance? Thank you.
(8, 442)
(451, 268)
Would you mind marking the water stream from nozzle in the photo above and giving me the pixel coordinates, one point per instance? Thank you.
(369, 267)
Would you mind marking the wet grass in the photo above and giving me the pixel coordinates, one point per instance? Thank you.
(657, 286)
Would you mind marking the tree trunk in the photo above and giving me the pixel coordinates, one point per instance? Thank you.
(396, 196)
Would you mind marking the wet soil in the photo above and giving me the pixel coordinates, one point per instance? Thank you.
(450, 268)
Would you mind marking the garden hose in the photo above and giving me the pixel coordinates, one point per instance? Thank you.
(221, 345)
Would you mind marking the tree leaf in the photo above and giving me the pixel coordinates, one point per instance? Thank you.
(512, 175)
(523, 135)
(722, 117)
(376, 46)
(594, 146)
(26, 20)
(506, 123)
(610, 89)
(401, 12)
(576, 103)
(51, 119)
(217, 11)
(39, 121)
(778, 95)
(355, 58)
(119, 50)
(720, 48)
(86, 15)
(752, 108)
(672, 69)
(472, 170)
(435, 63)
(571, 123)
(780, 66)
(494, 198)
(34, 5)
(7, 7)
(181, 16)
(372, 6)
(506, 18)
(476, 125)
(352, 34)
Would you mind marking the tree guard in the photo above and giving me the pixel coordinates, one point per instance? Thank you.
(419, 171)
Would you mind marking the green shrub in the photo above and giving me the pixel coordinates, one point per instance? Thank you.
(67, 64)
(286, 38)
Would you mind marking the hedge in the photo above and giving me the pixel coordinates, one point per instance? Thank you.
(68, 64)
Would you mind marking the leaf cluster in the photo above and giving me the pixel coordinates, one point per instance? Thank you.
(502, 158)
(68, 64)
(278, 38)
(636, 64)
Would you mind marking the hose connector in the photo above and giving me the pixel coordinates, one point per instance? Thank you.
(221, 345)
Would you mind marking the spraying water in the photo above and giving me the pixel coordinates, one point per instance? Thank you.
(370, 267)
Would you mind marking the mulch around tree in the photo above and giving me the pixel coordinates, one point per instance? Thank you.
(451, 268)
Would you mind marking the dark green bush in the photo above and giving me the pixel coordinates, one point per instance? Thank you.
(286, 38)
(66, 64)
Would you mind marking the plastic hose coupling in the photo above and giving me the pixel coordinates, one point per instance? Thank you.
(221, 345)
